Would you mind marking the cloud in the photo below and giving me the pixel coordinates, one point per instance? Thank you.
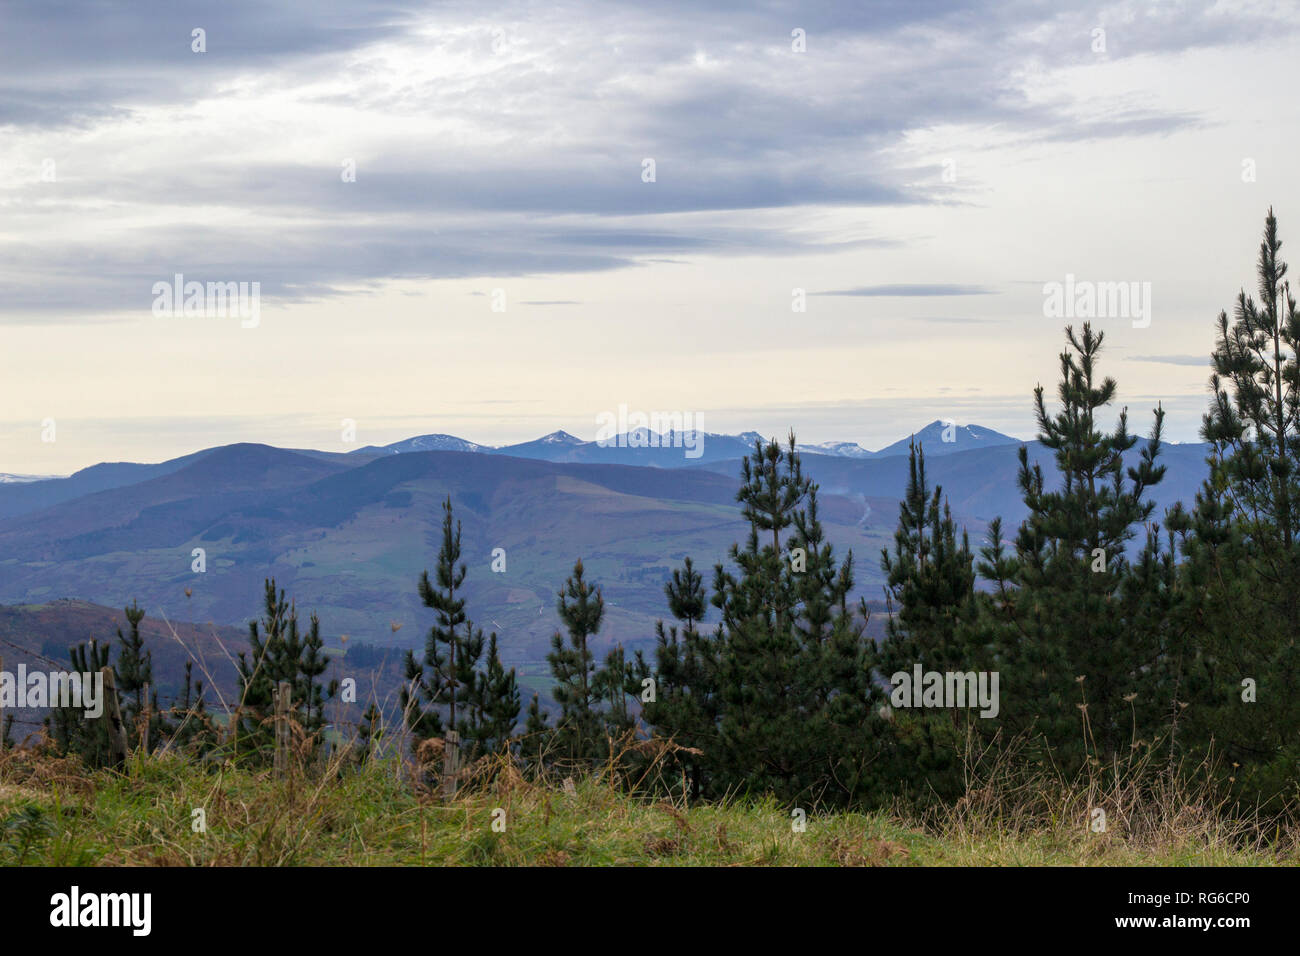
(513, 143)
(1197, 360)
(913, 289)
(77, 63)
(294, 263)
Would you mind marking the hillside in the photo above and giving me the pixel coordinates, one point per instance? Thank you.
(39, 636)
(349, 543)
(348, 535)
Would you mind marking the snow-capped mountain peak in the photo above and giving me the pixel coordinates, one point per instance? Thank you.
(561, 437)
(839, 449)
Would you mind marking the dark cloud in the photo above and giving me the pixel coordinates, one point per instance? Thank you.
(68, 62)
(551, 180)
(301, 263)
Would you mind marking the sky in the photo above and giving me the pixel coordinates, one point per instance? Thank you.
(495, 220)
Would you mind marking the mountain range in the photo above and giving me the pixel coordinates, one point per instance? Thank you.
(21, 494)
(670, 449)
(347, 535)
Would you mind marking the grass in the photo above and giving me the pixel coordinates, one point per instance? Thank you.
(54, 813)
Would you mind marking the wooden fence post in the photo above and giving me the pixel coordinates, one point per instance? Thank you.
(282, 696)
(2, 710)
(113, 711)
(232, 727)
(450, 762)
(144, 730)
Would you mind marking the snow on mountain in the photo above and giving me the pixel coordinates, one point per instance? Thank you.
(436, 443)
(945, 437)
(939, 438)
(839, 449)
(424, 443)
(561, 438)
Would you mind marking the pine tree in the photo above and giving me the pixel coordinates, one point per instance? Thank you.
(277, 653)
(71, 732)
(481, 700)
(1084, 638)
(272, 657)
(537, 736)
(133, 673)
(190, 726)
(453, 647)
(761, 670)
(1241, 539)
(424, 721)
(846, 723)
(1254, 420)
(578, 732)
(930, 595)
(796, 712)
(616, 680)
(312, 664)
(686, 704)
(496, 702)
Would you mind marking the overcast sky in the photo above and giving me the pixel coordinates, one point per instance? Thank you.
(919, 169)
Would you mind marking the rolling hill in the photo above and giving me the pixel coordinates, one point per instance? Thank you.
(39, 636)
(350, 542)
(348, 535)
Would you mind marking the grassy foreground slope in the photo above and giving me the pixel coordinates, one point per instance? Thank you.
(54, 813)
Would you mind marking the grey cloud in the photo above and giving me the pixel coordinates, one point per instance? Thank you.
(111, 54)
(612, 188)
(764, 129)
(295, 263)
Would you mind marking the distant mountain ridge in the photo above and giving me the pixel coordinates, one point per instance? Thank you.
(348, 533)
(668, 449)
(638, 446)
(641, 447)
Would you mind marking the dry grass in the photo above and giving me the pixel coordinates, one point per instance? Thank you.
(52, 812)
(1142, 809)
